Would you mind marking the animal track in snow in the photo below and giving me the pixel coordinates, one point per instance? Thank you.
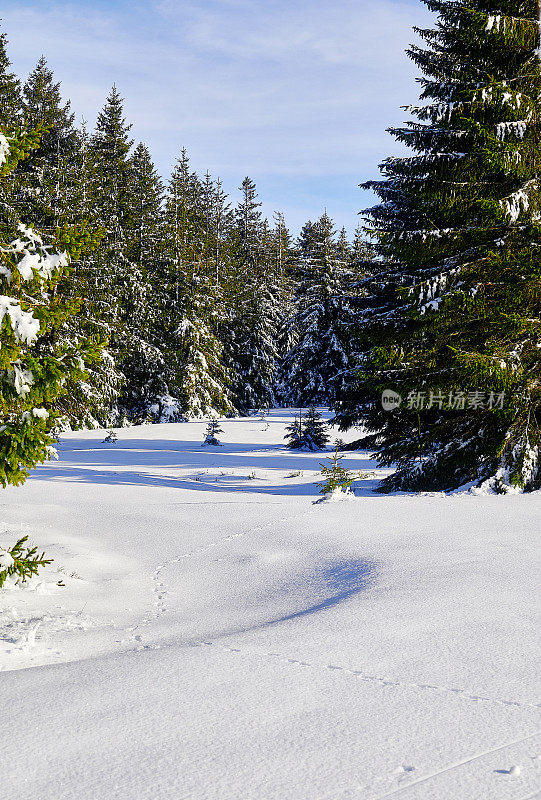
(360, 675)
(160, 588)
(462, 763)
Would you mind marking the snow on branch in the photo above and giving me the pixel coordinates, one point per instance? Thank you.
(36, 259)
(21, 378)
(500, 22)
(517, 129)
(23, 323)
(519, 201)
(4, 149)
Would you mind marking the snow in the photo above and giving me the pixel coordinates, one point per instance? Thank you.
(22, 380)
(494, 22)
(23, 323)
(337, 495)
(36, 258)
(517, 128)
(518, 201)
(6, 559)
(4, 149)
(220, 635)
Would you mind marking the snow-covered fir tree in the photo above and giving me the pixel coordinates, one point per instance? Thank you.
(10, 89)
(250, 333)
(313, 368)
(198, 378)
(283, 259)
(307, 432)
(121, 283)
(210, 436)
(144, 361)
(459, 230)
(89, 400)
(47, 177)
(37, 357)
(11, 109)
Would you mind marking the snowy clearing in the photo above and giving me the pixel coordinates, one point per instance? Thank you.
(220, 636)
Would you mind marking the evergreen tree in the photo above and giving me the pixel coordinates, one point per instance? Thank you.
(144, 361)
(10, 118)
(10, 90)
(50, 187)
(338, 480)
(256, 353)
(213, 427)
(307, 433)
(46, 177)
(221, 221)
(362, 255)
(250, 332)
(198, 378)
(120, 289)
(370, 295)
(313, 369)
(250, 228)
(281, 247)
(343, 247)
(88, 400)
(111, 146)
(37, 357)
(459, 229)
(284, 268)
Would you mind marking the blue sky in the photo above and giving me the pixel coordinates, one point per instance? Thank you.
(295, 93)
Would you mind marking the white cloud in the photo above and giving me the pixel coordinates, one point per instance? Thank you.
(265, 87)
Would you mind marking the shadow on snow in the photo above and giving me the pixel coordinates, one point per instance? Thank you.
(96, 463)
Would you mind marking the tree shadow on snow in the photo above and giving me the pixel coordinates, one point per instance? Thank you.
(332, 584)
(133, 458)
(341, 580)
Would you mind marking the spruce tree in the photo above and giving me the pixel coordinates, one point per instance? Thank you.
(197, 377)
(344, 247)
(313, 369)
(250, 332)
(144, 361)
(38, 358)
(459, 229)
(213, 427)
(111, 145)
(371, 291)
(10, 90)
(221, 221)
(88, 400)
(10, 118)
(46, 177)
(250, 228)
(308, 432)
(119, 287)
(283, 260)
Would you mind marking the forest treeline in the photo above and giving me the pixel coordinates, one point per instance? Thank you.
(205, 306)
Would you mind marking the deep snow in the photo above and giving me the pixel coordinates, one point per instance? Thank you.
(220, 636)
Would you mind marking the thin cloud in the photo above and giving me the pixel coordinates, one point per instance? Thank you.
(279, 90)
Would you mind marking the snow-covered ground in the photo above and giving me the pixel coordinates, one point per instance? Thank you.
(220, 636)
